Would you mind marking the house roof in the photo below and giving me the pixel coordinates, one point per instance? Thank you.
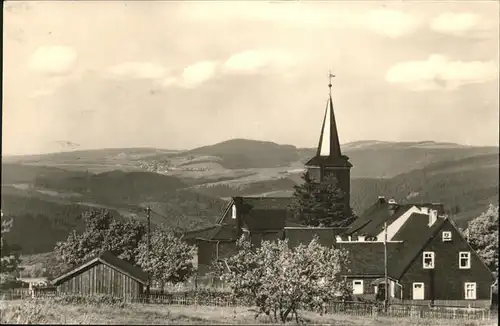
(222, 232)
(110, 260)
(304, 235)
(371, 222)
(265, 213)
(367, 258)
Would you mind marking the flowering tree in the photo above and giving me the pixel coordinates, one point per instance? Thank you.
(170, 258)
(482, 234)
(9, 259)
(102, 233)
(282, 280)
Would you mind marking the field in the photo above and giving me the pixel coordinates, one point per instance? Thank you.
(47, 312)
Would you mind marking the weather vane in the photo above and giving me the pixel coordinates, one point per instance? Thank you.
(330, 76)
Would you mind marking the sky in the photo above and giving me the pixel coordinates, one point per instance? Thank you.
(178, 75)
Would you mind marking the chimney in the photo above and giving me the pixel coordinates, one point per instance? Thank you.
(393, 206)
(381, 199)
(433, 215)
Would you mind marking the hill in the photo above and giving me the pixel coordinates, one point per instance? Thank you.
(46, 205)
(244, 154)
(240, 157)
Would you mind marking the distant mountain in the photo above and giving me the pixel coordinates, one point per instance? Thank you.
(371, 159)
(244, 154)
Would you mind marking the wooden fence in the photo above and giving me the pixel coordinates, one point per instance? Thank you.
(350, 308)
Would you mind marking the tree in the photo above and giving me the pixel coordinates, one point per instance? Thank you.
(482, 234)
(102, 233)
(170, 259)
(281, 280)
(9, 257)
(320, 203)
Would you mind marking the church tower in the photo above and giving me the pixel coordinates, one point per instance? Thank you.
(329, 159)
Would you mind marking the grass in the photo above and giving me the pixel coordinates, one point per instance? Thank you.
(49, 312)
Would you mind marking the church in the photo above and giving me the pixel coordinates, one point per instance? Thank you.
(428, 260)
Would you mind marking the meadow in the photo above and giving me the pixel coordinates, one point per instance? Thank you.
(48, 311)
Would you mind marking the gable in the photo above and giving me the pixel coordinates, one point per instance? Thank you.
(110, 260)
(449, 250)
(226, 216)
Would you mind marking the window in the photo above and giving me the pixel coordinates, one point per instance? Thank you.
(446, 236)
(464, 260)
(470, 291)
(428, 260)
(357, 287)
(234, 212)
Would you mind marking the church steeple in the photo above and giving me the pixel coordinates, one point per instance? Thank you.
(328, 151)
(329, 159)
(329, 144)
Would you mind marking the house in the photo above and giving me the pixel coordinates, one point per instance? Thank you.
(104, 274)
(258, 218)
(34, 281)
(428, 259)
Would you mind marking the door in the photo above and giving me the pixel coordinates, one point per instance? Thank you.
(418, 291)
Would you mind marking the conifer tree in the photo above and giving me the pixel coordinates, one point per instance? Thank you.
(320, 203)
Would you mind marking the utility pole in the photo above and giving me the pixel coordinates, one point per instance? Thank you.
(386, 290)
(148, 215)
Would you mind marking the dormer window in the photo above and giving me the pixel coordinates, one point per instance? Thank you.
(428, 260)
(233, 215)
(446, 236)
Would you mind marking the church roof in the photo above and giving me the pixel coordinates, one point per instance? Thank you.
(329, 152)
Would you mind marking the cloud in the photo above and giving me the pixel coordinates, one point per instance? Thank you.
(391, 23)
(255, 60)
(53, 60)
(454, 23)
(137, 70)
(198, 73)
(439, 72)
(292, 13)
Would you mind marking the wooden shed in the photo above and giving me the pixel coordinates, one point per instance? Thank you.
(105, 274)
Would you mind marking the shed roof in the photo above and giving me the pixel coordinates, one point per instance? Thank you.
(110, 260)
